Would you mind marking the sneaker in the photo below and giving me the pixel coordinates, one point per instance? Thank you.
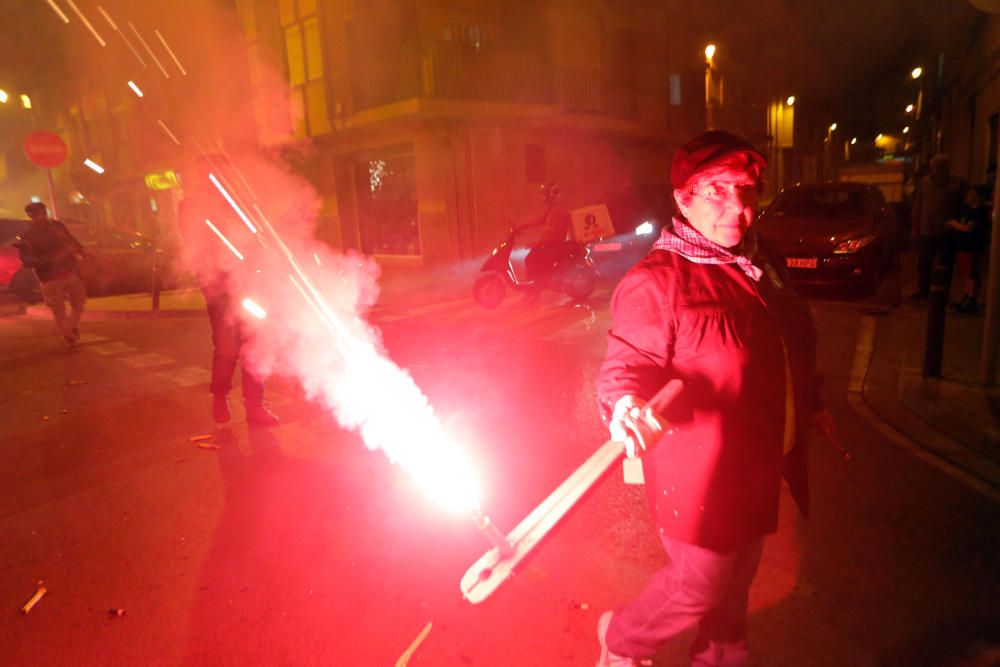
(220, 409)
(258, 414)
(609, 659)
(967, 306)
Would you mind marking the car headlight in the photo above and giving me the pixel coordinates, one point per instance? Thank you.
(852, 245)
(644, 228)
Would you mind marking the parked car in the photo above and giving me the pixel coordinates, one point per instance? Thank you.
(13, 276)
(833, 233)
(116, 260)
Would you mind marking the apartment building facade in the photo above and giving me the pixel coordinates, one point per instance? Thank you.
(430, 124)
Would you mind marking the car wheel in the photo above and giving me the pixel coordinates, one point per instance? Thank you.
(579, 282)
(489, 289)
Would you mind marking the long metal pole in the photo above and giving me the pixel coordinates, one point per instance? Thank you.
(991, 325)
(52, 193)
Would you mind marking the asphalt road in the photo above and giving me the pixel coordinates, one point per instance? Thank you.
(298, 546)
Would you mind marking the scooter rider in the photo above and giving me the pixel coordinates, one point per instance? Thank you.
(555, 222)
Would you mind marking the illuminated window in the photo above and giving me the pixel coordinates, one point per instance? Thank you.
(386, 191)
(304, 59)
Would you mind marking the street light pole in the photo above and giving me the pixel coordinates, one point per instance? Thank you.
(991, 325)
(709, 54)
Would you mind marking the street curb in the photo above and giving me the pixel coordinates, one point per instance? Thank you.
(42, 312)
(858, 399)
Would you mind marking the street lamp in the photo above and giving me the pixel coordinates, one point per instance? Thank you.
(878, 137)
(906, 129)
(916, 72)
(791, 100)
(709, 54)
(854, 140)
(25, 101)
(833, 127)
(3, 96)
(909, 108)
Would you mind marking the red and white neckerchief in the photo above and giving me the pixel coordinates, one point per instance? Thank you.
(688, 243)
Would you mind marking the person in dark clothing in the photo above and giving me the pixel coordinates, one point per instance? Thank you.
(970, 239)
(54, 254)
(937, 199)
(711, 305)
(216, 267)
(555, 224)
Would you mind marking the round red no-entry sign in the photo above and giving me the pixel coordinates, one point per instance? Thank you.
(46, 149)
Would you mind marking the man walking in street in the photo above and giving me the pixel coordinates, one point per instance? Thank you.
(710, 305)
(54, 254)
(937, 199)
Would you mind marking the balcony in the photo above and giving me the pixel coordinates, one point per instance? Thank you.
(490, 73)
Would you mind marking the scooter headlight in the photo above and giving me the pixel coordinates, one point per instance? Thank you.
(644, 229)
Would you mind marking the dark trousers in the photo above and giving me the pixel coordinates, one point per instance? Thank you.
(930, 246)
(228, 339)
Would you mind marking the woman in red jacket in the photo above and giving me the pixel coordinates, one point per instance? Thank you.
(711, 305)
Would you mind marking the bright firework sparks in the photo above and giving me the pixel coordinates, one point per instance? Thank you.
(83, 19)
(171, 52)
(169, 133)
(372, 394)
(93, 166)
(254, 308)
(232, 202)
(62, 16)
(148, 50)
(224, 239)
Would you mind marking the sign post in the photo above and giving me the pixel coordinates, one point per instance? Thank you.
(47, 150)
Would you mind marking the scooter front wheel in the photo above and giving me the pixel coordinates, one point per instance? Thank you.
(489, 289)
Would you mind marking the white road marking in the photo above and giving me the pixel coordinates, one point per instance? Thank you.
(91, 338)
(422, 310)
(147, 360)
(112, 348)
(187, 376)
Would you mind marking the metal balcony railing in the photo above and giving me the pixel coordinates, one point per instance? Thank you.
(489, 73)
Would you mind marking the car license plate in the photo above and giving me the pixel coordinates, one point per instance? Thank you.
(801, 262)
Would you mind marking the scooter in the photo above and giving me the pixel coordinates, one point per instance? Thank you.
(572, 272)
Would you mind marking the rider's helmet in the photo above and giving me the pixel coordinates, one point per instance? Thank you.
(549, 191)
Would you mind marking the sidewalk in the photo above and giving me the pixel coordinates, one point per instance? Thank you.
(956, 418)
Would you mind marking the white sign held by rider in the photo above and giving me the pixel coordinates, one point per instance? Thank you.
(591, 223)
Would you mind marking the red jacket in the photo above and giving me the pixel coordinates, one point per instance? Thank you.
(715, 481)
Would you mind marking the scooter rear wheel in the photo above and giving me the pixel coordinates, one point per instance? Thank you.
(579, 282)
(489, 289)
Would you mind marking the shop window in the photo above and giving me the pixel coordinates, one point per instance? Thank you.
(386, 192)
